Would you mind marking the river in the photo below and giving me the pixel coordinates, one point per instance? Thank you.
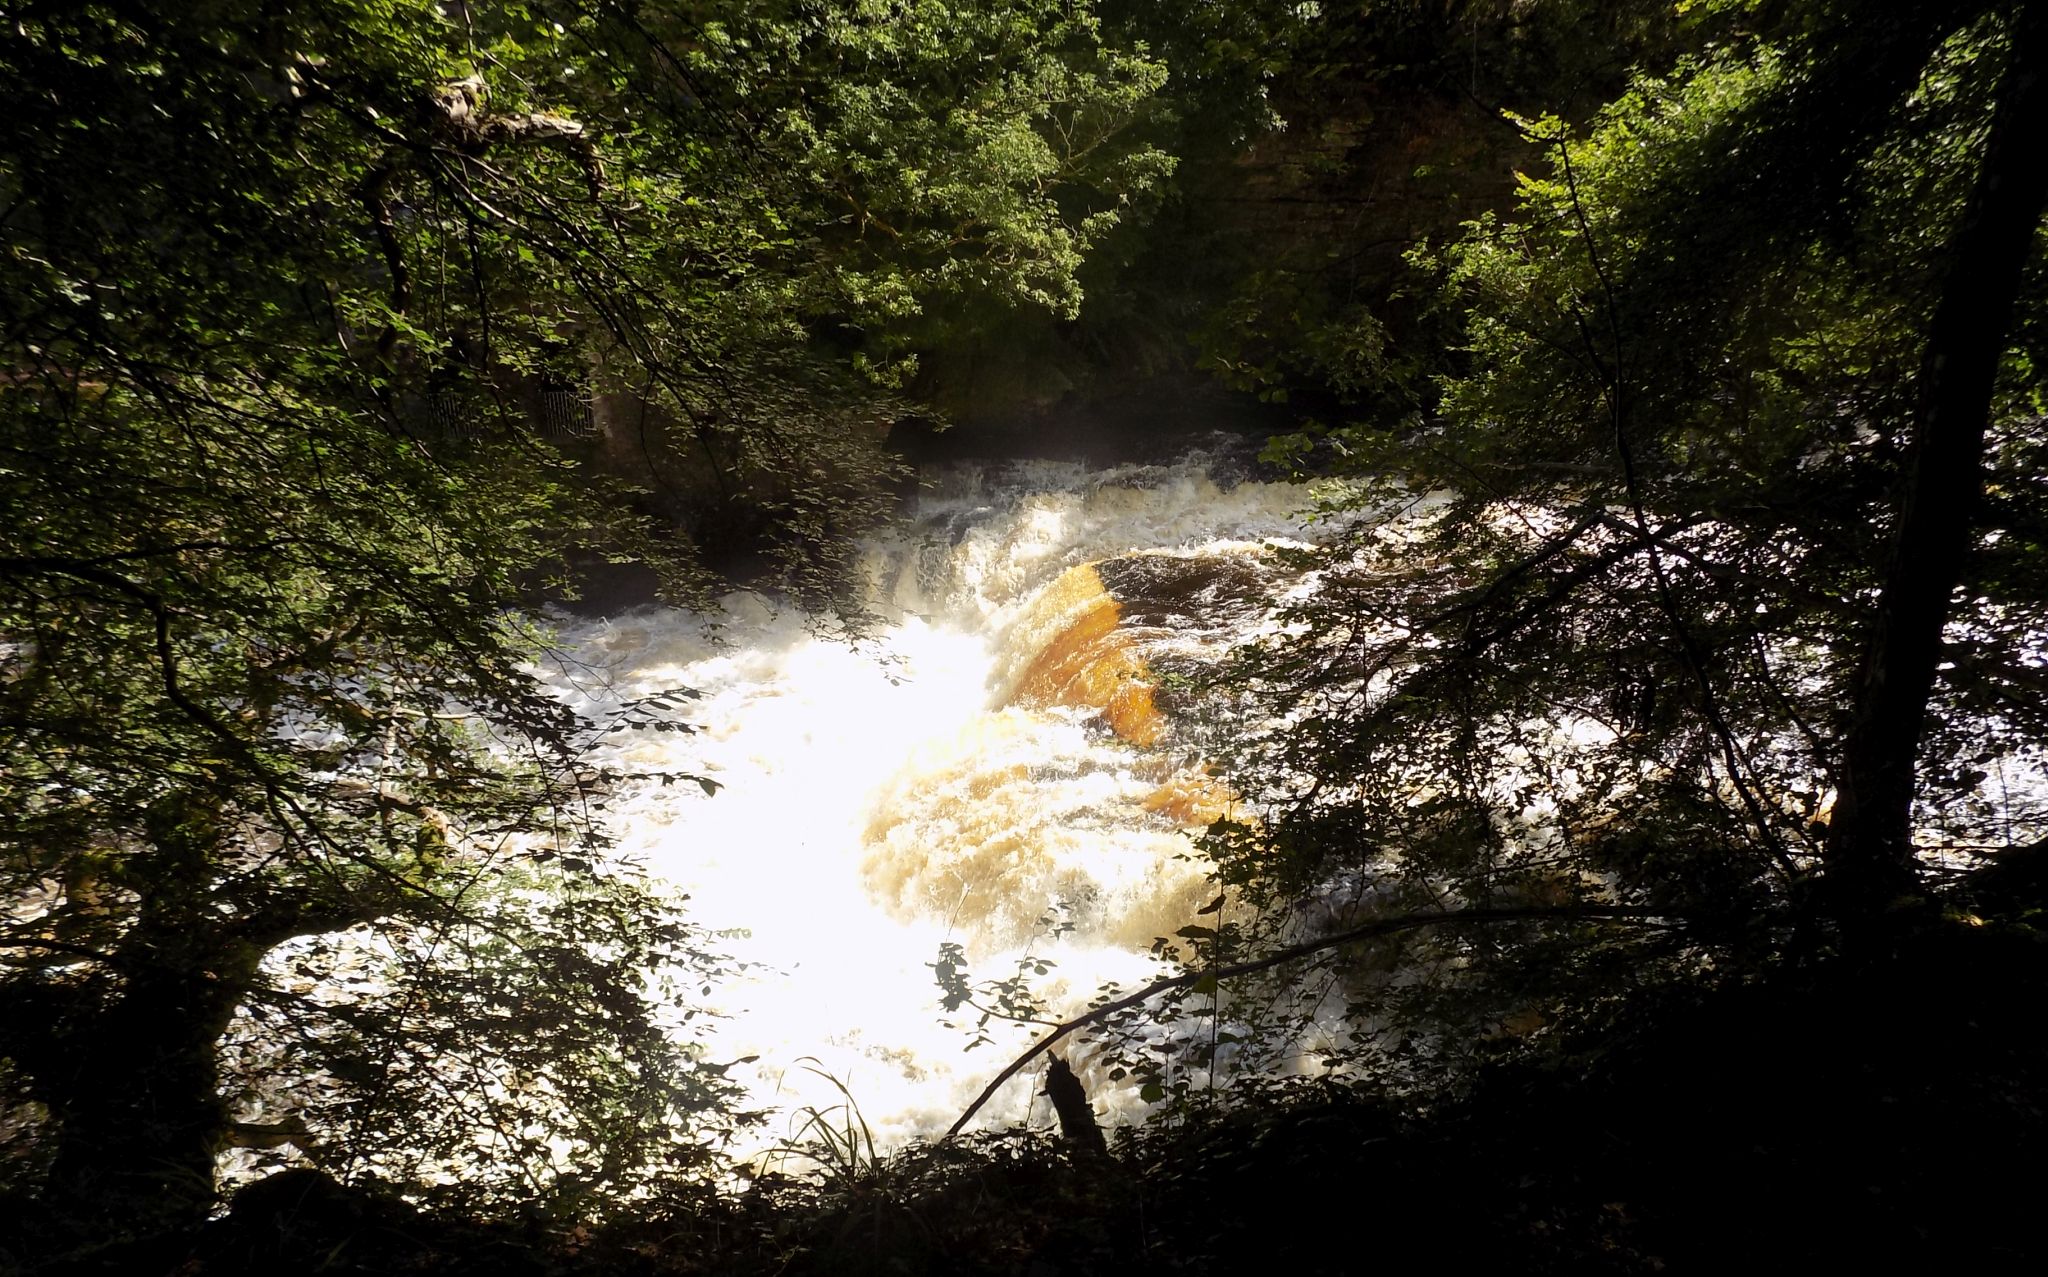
(999, 765)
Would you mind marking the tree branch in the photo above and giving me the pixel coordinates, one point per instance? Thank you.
(167, 658)
(1733, 755)
(1307, 948)
(55, 946)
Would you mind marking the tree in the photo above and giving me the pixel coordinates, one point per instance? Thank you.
(291, 830)
(1706, 591)
(1320, 143)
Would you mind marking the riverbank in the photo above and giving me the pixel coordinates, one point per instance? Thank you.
(1885, 1118)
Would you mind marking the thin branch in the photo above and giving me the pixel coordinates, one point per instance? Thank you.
(31, 565)
(1688, 644)
(386, 228)
(1308, 948)
(59, 946)
(167, 658)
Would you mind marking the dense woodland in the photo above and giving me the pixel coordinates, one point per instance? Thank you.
(337, 336)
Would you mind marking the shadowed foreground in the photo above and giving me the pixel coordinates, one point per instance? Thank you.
(1887, 1115)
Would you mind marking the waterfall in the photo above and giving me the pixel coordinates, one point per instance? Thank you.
(998, 766)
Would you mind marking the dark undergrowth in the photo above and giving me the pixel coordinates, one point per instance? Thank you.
(1887, 1117)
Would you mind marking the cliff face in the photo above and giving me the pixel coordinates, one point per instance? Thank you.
(1354, 180)
(1279, 268)
(1322, 217)
(1276, 276)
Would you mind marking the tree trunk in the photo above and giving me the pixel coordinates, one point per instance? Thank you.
(1869, 856)
(133, 1079)
(138, 1104)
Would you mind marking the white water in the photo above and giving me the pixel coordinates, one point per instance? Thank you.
(953, 778)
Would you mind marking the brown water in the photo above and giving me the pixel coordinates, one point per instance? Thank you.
(1000, 767)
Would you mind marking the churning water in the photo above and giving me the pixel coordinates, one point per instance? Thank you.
(1000, 766)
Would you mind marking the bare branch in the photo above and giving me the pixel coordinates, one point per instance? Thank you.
(1309, 948)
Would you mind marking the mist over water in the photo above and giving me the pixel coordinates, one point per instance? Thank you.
(998, 766)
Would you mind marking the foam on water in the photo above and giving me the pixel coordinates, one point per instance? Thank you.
(880, 799)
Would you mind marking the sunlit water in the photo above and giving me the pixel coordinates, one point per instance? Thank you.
(1002, 765)
(997, 762)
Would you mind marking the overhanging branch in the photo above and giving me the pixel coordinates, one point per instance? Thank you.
(1309, 948)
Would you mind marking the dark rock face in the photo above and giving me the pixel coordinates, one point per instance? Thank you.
(1115, 420)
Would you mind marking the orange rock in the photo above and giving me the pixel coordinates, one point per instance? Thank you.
(1192, 800)
(1089, 664)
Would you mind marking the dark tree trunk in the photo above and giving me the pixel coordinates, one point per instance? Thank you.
(132, 1074)
(1070, 1101)
(138, 1103)
(132, 1078)
(1869, 854)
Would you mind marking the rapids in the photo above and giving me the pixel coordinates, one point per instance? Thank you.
(998, 766)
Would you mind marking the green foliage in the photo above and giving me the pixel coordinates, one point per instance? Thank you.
(836, 1141)
(1323, 141)
(1596, 631)
(983, 163)
(290, 830)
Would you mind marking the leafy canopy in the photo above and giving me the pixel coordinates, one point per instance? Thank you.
(294, 845)
(1600, 633)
